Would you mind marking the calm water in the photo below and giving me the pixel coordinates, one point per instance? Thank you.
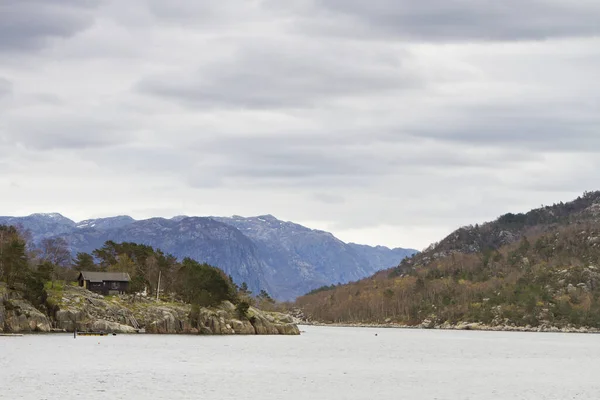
(323, 363)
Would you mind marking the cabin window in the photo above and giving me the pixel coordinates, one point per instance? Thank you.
(114, 285)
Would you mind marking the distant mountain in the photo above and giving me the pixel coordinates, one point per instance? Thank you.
(283, 258)
(42, 225)
(300, 259)
(106, 223)
(538, 269)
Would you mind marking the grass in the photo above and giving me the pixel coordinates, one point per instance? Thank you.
(57, 286)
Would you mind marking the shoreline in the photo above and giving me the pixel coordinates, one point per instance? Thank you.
(470, 326)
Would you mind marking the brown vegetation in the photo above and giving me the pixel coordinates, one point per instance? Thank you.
(526, 269)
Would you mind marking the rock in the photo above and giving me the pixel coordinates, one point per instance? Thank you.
(583, 287)
(571, 289)
(77, 308)
(288, 329)
(70, 319)
(427, 324)
(19, 315)
(261, 324)
(466, 326)
(111, 327)
(228, 306)
(243, 327)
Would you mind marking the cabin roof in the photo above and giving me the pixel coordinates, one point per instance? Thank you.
(105, 276)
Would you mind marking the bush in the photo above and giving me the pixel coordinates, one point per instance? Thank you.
(242, 310)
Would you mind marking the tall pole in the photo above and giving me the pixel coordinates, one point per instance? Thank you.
(158, 287)
(2, 253)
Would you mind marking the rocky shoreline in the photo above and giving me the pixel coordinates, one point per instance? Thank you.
(72, 308)
(464, 326)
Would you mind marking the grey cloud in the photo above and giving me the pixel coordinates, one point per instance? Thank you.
(27, 24)
(531, 126)
(329, 198)
(287, 74)
(460, 20)
(335, 160)
(200, 13)
(63, 132)
(6, 87)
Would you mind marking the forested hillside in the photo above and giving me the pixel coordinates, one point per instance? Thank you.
(537, 268)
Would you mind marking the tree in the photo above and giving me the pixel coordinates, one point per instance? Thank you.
(242, 310)
(46, 270)
(203, 284)
(56, 251)
(244, 291)
(13, 256)
(84, 262)
(107, 255)
(264, 296)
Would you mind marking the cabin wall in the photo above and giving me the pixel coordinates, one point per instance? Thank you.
(108, 287)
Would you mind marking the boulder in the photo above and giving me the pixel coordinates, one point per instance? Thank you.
(427, 324)
(111, 327)
(20, 316)
(466, 326)
(243, 327)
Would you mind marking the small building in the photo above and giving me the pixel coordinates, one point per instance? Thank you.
(105, 283)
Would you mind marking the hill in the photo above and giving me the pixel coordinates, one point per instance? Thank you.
(283, 258)
(38, 295)
(536, 269)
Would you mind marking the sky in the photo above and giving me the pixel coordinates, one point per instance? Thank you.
(387, 122)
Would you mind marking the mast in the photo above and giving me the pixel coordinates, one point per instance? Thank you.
(158, 287)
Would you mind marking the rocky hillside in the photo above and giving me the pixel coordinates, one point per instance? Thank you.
(538, 270)
(510, 228)
(283, 258)
(71, 307)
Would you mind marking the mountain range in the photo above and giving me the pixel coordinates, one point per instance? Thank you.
(283, 258)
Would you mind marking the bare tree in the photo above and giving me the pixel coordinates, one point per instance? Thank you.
(56, 251)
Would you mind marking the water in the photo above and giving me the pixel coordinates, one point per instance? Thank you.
(323, 363)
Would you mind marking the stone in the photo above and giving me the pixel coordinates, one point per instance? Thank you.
(111, 327)
(427, 324)
(20, 316)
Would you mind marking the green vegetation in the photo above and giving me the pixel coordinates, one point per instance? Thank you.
(41, 273)
(204, 285)
(242, 310)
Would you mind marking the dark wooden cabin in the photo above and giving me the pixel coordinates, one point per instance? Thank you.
(105, 283)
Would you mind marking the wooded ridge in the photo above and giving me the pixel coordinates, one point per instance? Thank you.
(539, 270)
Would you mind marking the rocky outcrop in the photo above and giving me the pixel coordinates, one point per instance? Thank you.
(77, 308)
(18, 315)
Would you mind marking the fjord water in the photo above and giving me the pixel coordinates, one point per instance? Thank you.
(324, 363)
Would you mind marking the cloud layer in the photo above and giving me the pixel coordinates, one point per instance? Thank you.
(389, 122)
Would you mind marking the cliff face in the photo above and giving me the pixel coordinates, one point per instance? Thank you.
(73, 308)
(18, 315)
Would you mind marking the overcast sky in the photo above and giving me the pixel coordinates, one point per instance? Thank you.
(385, 122)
